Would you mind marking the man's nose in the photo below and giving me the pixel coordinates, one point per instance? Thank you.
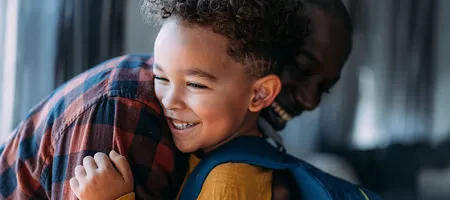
(172, 100)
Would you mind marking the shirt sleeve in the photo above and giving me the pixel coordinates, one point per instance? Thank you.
(22, 160)
(41, 165)
(237, 181)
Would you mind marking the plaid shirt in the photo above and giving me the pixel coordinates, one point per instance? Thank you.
(111, 106)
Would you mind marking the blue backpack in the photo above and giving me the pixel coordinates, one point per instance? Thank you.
(312, 182)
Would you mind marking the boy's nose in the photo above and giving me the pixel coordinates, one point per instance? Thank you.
(172, 101)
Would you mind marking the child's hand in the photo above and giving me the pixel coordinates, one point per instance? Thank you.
(98, 179)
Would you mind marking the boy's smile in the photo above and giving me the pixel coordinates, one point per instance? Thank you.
(180, 125)
(179, 128)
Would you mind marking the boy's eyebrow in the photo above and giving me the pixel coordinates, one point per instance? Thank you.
(200, 73)
(192, 72)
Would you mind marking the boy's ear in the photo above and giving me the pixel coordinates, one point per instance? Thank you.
(265, 90)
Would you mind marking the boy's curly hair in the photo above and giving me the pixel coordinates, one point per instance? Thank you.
(257, 29)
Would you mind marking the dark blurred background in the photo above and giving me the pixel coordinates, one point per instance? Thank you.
(385, 125)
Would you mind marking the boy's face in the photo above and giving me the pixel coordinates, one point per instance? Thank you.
(205, 94)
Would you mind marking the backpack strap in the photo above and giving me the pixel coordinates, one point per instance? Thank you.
(254, 151)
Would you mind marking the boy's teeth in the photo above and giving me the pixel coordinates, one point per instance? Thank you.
(182, 125)
(281, 112)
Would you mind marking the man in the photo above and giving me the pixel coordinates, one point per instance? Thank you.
(112, 106)
(318, 64)
(315, 70)
(316, 67)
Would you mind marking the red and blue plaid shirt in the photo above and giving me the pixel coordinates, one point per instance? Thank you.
(111, 106)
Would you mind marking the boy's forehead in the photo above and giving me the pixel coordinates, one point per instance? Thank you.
(186, 48)
(202, 40)
(189, 61)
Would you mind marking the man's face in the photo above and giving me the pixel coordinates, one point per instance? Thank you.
(318, 67)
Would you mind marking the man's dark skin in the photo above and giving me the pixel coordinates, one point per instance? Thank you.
(318, 67)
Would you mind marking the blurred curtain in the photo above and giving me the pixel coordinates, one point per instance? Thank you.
(35, 53)
(58, 39)
(385, 94)
(89, 32)
(8, 24)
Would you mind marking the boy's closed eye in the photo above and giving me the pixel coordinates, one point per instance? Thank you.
(159, 78)
(189, 84)
(196, 86)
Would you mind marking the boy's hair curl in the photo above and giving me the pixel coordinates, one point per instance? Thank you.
(257, 30)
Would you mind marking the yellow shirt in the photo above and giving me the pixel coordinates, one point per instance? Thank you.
(230, 181)
(234, 181)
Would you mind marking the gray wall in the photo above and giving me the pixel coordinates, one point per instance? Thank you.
(441, 117)
(139, 36)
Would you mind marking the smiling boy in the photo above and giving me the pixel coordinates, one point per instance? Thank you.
(213, 64)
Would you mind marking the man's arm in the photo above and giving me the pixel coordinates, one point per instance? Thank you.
(22, 162)
(132, 129)
(109, 107)
(41, 165)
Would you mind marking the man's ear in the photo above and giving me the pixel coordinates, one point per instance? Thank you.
(265, 90)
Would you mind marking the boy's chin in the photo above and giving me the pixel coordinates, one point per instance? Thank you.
(185, 147)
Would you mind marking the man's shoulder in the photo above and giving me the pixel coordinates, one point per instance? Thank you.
(127, 73)
(128, 77)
